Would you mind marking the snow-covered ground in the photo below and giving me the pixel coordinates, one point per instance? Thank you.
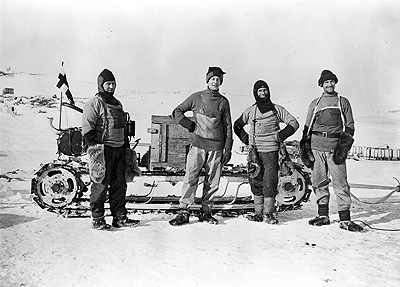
(39, 248)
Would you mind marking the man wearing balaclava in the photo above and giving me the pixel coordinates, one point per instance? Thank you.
(330, 128)
(103, 128)
(265, 134)
(211, 144)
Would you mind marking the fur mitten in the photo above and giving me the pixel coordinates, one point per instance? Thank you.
(131, 166)
(97, 162)
(253, 166)
(306, 154)
(342, 149)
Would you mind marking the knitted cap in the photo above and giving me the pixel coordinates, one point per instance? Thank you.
(327, 75)
(215, 71)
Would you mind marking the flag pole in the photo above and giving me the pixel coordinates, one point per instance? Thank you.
(59, 121)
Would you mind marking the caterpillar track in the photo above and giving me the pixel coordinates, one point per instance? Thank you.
(63, 187)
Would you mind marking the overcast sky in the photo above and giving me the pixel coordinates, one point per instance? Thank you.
(169, 45)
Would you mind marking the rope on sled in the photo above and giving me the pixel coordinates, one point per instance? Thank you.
(381, 200)
(375, 228)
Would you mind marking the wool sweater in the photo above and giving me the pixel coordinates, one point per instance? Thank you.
(264, 133)
(330, 117)
(211, 117)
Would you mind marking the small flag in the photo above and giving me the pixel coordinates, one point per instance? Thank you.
(63, 84)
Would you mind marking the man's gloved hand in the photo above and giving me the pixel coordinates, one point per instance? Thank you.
(90, 138)
(188, 124)
(306, 155)
(285, 133)
(240, 132)
(192, 127)
(226, 157)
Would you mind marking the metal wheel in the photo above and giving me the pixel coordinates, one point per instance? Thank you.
(57, 186)
(291, 188)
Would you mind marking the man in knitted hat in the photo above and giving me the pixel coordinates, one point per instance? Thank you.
(103, 127)
(330, 124)
(264, 118)
(211, 144)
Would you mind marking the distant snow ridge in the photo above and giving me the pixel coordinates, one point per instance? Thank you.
(36, 101)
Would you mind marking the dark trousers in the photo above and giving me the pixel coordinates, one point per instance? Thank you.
(266, 182)
(113, 182)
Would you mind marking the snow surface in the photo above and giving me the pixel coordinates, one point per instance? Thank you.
(39, 248)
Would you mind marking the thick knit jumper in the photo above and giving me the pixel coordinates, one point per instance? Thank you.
(329, 119)
(212, 117)
(265, 132)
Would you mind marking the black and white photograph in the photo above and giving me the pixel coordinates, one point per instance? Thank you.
(174, 143)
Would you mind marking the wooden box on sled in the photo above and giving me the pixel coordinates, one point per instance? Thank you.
(169, 144)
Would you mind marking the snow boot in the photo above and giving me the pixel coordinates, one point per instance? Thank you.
(350, 226)
(181, 218)
(258, 209)
(346, 223)
(207, 217)
(125, 222)
(319, 221)
(100, 224)
(269, 211)
(270, 219)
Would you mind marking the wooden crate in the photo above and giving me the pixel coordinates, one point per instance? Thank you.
(169, 143)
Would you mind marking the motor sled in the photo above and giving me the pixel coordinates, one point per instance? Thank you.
(63, 185)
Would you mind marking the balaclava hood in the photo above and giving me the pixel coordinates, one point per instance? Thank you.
(327, 75)
(105, 76)
(265, 104)
(215, 71)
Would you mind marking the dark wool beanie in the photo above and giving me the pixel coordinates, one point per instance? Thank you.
(215, 71)
(327, 75)
(265, 104)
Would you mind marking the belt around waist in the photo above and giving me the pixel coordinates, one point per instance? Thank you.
(327, 135)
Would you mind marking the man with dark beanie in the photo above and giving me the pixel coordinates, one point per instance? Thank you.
(330, 125)
(265, 134)
(103, 127)
(211, 145)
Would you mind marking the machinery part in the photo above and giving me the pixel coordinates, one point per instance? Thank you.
(56, 186)
(82, 209)
(71, 142)
(293, 189)
(61, 187)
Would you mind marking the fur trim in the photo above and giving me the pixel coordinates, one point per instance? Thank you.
(97, 162)
(341, 151)
(284, 161)
(253, 166)
(306, 154)
(131, 166)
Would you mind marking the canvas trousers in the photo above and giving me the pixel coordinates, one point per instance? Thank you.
(197, 159)
(266, 182)
(113, 182)
(324, 167)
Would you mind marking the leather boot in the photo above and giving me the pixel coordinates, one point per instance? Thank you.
(269, 210)
(206, 214)
(100, 224)
(181, 218)
(258, 209)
